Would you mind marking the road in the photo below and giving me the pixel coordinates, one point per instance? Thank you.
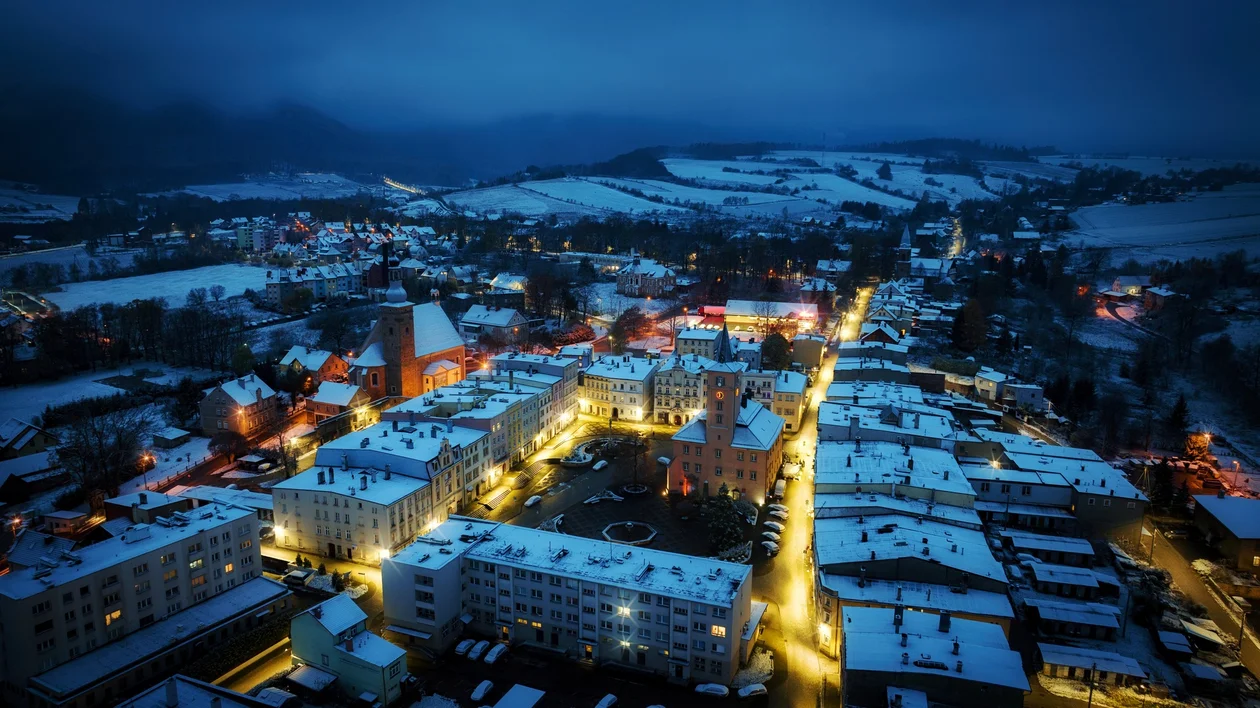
(1112, 309)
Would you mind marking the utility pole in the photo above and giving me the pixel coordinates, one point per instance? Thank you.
(1093, 670)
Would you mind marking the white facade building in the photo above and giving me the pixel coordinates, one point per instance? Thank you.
(618, 388)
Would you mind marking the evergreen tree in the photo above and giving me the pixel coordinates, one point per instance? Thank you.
(884, 172)
(1181, 497)
(776, 352)
(971, 329)
(322, 569)
(1161, 485)
(724, 521)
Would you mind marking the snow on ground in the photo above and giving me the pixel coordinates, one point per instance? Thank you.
(67, 256)
(670, 191)
(433, 700)
(172, 285)
(760, 669)
(310, 185)
(907, 173)
(1148, 165)
(27, 401)
(1031, 170)
(597, 196)
(1208, 224)
(324, 582)
(284, 334)
(1103, 331)
(711, 171)
(169, 463)
(608, 302)
(21, 206)
(836, 189)
(511, 198)
(421, 207)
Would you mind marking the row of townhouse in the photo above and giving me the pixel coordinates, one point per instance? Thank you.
(324, 281)
(682, 617)
(618, 387)
(85, 626)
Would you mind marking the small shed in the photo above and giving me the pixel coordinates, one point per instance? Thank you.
(64, 522)
(1081, 664)
(170, 438)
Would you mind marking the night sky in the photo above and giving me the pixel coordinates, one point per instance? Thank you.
(1176, 77)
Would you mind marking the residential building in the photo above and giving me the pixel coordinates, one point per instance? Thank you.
(245, 405)
(333, 399)
(674, 615)
(860, 369)
(321, 365)
(643, 277)
(618, 388)
(734, 442)
(861, 466)
(412, 349)
(325, 282)
(567, 369)
(990, 384)
(200, 495)
(1155, 299)
(808, 350)
(783, 392)
(832, 270)
(180, 691)
(502, 323)
(1231, 525)
(1133, 285)
(19, 438)
(332, 637)
(919, 426)
(763, 317)
(701, 341)
(370, 493)
(85, 623)
(679, 387)
(953, 662)
(1091, 666)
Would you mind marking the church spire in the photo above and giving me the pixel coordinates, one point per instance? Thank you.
(722, 352)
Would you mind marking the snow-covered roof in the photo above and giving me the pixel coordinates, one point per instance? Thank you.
(1090, 659)
(143, 500)
(25, 465)
(440, 366)
(830, 505)
(869, 349)
(243, 390)
(699, 334)
(509, 281)
(873, 643)
(337, 614)
(1026, 540)
(622, 368)
(838, 542)
(851, 463)
(371, 648)
(307, 358)
(756, 428)
(433, 330)
(1094, 614)
(851, 589)
(122, 655)
(647, 268)
(30, 546)
(649, 570)
(1240, 515)
(906, 697)
(870, 393)
(1063, 574)
(991, 375)
(374, 355)
(15, 433)
(790, 382)
(335, 394)
(833, 266)
(385, 446)
(312, 678)
(491, 316)
(191, 693)
(870, 330)
(222, 495)
(379, 490)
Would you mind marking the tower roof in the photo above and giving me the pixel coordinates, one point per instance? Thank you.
(722, 352)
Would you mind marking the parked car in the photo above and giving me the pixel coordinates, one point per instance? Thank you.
(1176, 533)
(752, 689)
(495, 652)
(533, 501)
(607, 701)
(713, 689)
(771, 536)
(777, 507)
(774, 526)
(478, 649)
(482, 690)
(781, 515)
(771, 547)
(463, 647)
(597, 467)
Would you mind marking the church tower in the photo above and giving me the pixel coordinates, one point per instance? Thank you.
(398, 341)
(904, 252)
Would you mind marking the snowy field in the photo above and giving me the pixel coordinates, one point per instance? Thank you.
(172, 285)
(26, 402)
(559, 196)
(711, 171)
(597, 196)
(835, 189)
(1031, 170)
(21, 206)
(422, 207)
(65, 257)
(609, 303)
(670, 191)
(908, 177)
(312, 185)
(1148, 165)
(1209, 224)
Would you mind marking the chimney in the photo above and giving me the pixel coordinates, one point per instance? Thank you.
(898, 593)
(904, 638)
(910, 464)
(363, 482)
(898, 616)
(387, 469)
(350, 644)
(373, 473)
(172, 693)
(216, 702)
(1220, 494)
(317, 611)
(955, 647)
(848, 461)
(958, 667)
(857, 445)
(864, 537)
(320, 478)
(944, 623)
(905, 658)
(330, 475)
(144, 498)
(395, 422)
(450, 426)
(345, 461)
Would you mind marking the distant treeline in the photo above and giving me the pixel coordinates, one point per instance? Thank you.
(958, 149)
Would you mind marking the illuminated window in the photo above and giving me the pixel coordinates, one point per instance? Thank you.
(717, 630)
(112, 617)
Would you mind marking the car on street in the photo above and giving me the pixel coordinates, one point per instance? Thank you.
(781, 515)
(597, 467)
(478, 649)
(752, 689)
(607, 701)
(777, 507)
(771, 536)
(533, 501)
(482, 690)
(774, 526)
(495, 652)
(463, 647)
(771, 547)
(713, 689)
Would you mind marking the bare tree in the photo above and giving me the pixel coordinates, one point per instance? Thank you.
(217, 292)
(100, 452)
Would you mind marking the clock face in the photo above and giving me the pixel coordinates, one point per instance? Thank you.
(720, 395)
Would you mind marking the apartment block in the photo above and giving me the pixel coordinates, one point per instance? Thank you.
(674, 615)
(618, 388)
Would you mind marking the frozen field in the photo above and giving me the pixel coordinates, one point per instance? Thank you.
(173, 286)
(21, 206)
(26, 402)
(1209, 224)
(313, 185)
(67, 256)
(1147, 165)
(711, 171)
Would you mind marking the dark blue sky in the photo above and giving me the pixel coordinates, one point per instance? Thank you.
(1173, 76)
